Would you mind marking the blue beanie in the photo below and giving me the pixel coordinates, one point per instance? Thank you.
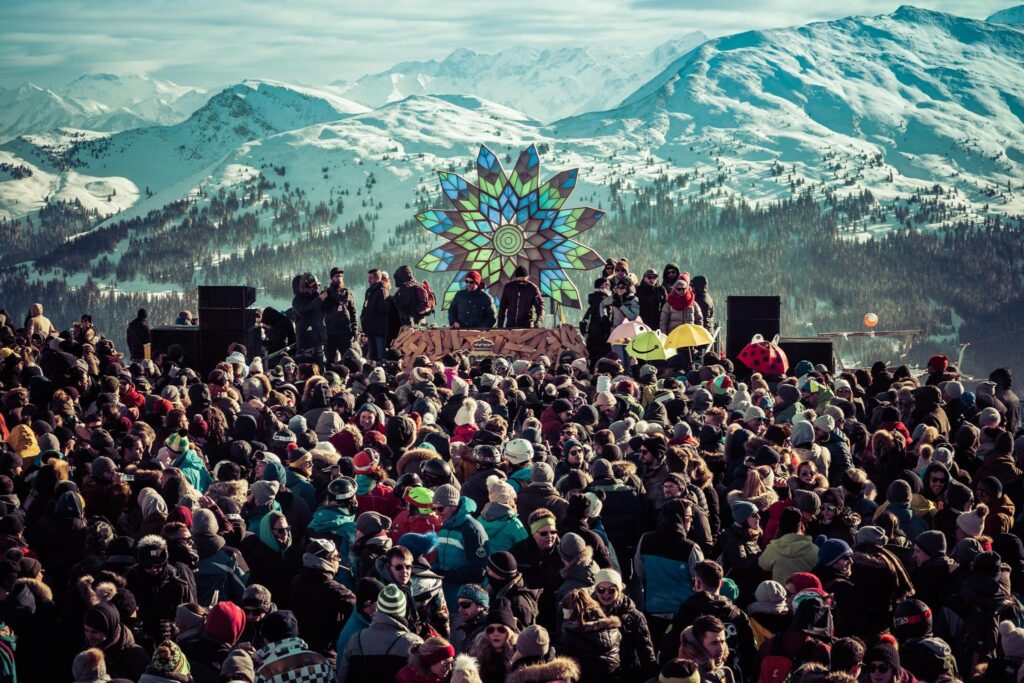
(832, 550)
(476, 593)
(968, 399)
(418, 544)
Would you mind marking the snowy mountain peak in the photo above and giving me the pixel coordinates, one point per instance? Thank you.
(1010, 15)
(545, 84)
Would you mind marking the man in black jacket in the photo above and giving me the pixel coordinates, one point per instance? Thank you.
(652, 298)
(374, 317)
(472, 307)
(309, 305)
(340, 320)
(411, 305)
(704, 300)
(521, 305)
(138, 335)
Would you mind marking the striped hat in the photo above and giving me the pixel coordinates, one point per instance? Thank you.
(391, 601)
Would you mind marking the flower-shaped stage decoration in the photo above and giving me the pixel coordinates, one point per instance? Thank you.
(510, 220)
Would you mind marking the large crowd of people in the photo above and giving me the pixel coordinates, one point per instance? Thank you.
(338, 513)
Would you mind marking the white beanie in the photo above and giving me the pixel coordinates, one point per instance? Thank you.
(608, 576)
(459, 386)
(467, 413)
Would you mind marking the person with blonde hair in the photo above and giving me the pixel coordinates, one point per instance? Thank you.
(495, 647)
(588, 636)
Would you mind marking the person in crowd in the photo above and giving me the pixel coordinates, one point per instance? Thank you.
(472, 307)
(285, 518)
(521, 305)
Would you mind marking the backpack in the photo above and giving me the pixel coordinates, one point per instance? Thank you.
(776, 666)
(425, 297)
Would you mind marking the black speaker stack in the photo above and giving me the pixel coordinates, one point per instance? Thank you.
(747, 316)
(224, 319)
(814, 349)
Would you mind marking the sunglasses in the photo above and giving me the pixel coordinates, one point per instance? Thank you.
(650, 277)
(282, 530)
(402, 567)
(879, 668)
(607, 591)
(495, 629)
(828, 507)
(437, 508)
(547, 533)
(465, 604)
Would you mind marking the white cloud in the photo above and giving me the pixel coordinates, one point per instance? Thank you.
(315, 41)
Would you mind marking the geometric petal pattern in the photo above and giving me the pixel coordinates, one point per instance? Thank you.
(510, 219)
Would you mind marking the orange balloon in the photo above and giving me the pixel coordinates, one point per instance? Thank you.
(870, 319)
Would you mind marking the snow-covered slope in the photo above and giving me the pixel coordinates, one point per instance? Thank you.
(545, 84)
(168, 160)
(99, 102)
(1010, 15)
(926, 96)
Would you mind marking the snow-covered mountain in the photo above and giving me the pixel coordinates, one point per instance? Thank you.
(1010, 15)
(99, 102)
(545, 84)
(926, 96)
(164, 159)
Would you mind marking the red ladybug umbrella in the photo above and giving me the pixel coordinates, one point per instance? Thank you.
(765, 357)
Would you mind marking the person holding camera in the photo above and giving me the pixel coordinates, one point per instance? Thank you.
(310, 305)
(340, 320)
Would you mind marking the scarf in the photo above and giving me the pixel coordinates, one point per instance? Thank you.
(680, 302)
(313, 562)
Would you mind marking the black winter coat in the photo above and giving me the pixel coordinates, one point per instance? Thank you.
(340, 313)
(619, 514)
(652, 298)
(541, 570)
(636, 652)
(374, 318)
(408, 304)
(158, 596)
(321, 605)
(138, 337)
(740, 637)
(595, 645)
(521, 305)
(309, 325)
(472, 310)
(523, 600)
(740, 551)
(538, 495)
(272, 569)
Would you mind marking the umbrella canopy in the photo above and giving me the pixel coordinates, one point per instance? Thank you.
(764, 356)
(687, 336)
(649, 346)
(626, 331)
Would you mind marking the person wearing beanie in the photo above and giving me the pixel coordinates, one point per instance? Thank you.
(158, 586)
(787, 403)
(921, 653)
(472, 307)
(505, 582)
(487, 463)
(879, 579)
(463, 544)
(541, 565)
(222, 569)
(206, 651)
(541, 493)
(405, 565)
(321, 604)
(90, 666)
(741, 547)
(792, 551)
(286, 656)
(103, 630)
(473, 603)
(380, 651)
(371, 541)
(1000, 462)
(933, 576)
(971, 524)
(533, 647)
(769, 612)
(1001, 510)
(299, 473)
(882, 665)
(495, 647)
(898, 496)
(653, 470)
(367, 590)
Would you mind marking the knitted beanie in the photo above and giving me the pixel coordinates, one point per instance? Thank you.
(933, 543)
(871, 535)
(608, 576)
(476, 593)
(1011, 639)
(742, 510)
(372, 523)
(571, 546)
(391, 601)
(972, 523)
(770, 591)
(534, 641)
(204, 522)
(446, 495)
(832, 550)
(886, 653)
(542, 474)
(898, 492)
(503, 564)
(499, 491)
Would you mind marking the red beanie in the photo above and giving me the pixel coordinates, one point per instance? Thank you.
(473, 276)
(803, 581)
(685, 277)
(938, 362)
(225, 622)
(366, 460)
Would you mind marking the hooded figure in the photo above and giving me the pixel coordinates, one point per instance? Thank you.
(704, 301)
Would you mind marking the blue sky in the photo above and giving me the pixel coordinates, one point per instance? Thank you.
(50, 42)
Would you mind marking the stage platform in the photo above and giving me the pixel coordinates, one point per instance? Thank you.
(525, 344)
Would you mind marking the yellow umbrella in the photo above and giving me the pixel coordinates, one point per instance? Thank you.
(688, 335)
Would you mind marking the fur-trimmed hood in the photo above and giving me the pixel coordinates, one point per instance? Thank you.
(623, 468)
(39, 590)
(413, 458)
(465, 669)
(237, 491)
(558, 669)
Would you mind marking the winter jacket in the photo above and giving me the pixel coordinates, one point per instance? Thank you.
(788, 554)
(374, 317)
(461, 551)
(521, 305)
(309, 326)
(356, 622)
(636, 651)
(337, 525)
(221, 570)
(289, 661)
(523, 600)
(881, 582)
(739, 636)
(502, 527)
(740, 553)
(340, 314)
(704, 300)
(663, 566)
(619, 514)
(541, 570)
(912, 525)
(138, 337)
(840, 458)
(618, 311)
(425, 606)
(475, 488)
(472, 310)
(158, 596)
(652, 298)
(301, 487)
(594, 644)
(321, 606)
(934, 581)
(710, 671)
(558, 669)
(540, 495)
(377, 653)
(124, 657)
(410, 306)
(194, 470)
(269, 565)
(670, 318)
(38, 323)
(928, 659)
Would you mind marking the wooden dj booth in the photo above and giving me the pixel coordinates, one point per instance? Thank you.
(523, 344)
